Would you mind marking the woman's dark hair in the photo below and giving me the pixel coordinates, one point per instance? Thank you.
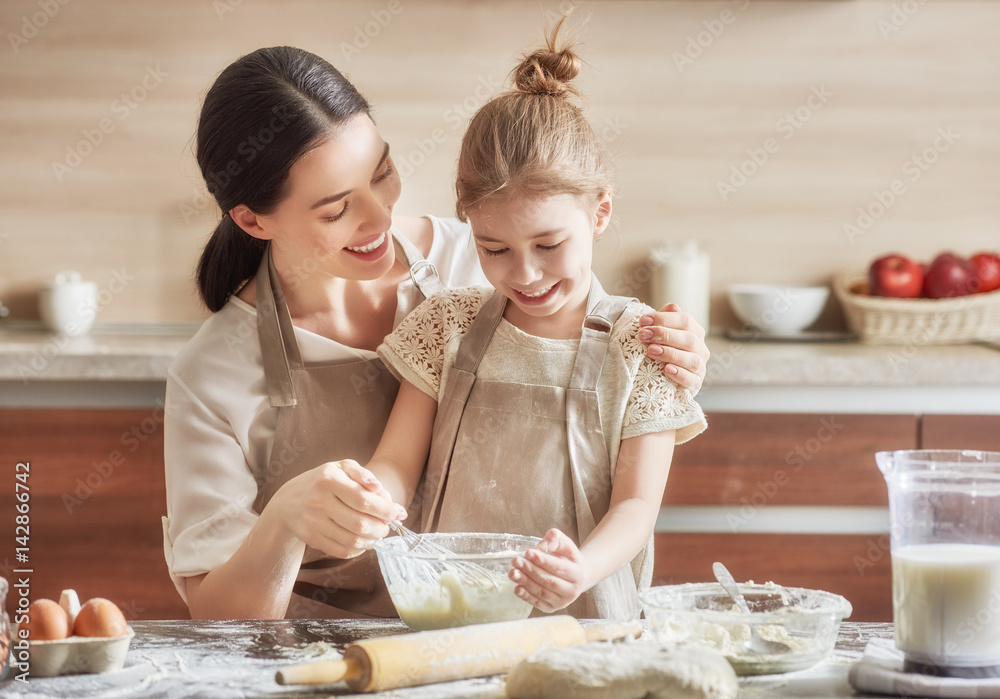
(263, 113)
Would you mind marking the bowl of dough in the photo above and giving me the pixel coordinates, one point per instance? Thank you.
(806, 621)
(439, 581)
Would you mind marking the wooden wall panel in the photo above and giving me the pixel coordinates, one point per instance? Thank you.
(847, 97)
(961, 432)
(97, 495)
(794, 459)
(857, 567)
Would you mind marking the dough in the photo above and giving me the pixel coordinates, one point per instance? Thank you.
(636, 670)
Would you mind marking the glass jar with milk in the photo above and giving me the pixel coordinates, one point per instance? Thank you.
(944, 508)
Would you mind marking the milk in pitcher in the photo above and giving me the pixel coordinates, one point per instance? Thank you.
(946, 602)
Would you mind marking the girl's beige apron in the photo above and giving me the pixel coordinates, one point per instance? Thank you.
(522, 459)
(326, 413)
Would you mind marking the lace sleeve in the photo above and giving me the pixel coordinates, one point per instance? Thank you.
(655, 403)
(416, 348)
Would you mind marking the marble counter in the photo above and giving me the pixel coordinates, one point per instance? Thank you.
(239, 658)
(126, 365)
(783, 363)
(29, 353)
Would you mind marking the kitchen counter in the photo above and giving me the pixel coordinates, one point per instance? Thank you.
(239, 658)
(119, 366)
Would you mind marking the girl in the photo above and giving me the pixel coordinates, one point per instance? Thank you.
(539, 408)
(306, 274)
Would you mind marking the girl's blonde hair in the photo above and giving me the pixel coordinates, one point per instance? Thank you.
(532, 140)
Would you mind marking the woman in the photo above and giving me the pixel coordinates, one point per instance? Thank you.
(306, 274)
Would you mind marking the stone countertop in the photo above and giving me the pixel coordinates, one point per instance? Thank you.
(143, 353)
(844, 363)
(110, 353)
(239, 659)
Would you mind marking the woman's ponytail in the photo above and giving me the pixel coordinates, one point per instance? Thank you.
(229, 258)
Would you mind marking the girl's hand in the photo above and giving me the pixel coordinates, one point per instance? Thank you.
(676, 339)
(552, 575)
(339, 508)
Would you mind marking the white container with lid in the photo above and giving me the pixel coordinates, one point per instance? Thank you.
(68, 304)
(681, 274)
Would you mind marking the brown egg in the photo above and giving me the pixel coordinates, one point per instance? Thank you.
(99, 617)
(47, 621)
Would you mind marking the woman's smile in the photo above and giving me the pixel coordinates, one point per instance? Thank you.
(371, 250)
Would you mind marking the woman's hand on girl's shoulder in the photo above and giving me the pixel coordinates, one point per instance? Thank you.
(676, 339)
(338, 507)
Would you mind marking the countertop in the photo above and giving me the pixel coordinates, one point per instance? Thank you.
(171, 659)
(119, 366)
(137, 353)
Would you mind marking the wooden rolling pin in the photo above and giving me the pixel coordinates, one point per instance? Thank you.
(426, 657)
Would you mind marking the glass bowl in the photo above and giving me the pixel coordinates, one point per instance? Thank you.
(703, 614)
(468, 586)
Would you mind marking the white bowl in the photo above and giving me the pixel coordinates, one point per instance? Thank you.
(703, 614)
(776, 308)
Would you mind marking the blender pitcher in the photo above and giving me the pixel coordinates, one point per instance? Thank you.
(944, 508)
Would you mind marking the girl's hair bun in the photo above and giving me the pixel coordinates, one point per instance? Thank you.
(548, 71)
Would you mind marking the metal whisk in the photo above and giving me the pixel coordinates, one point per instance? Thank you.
(471, 572)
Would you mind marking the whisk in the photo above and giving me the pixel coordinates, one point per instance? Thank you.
(468, 571)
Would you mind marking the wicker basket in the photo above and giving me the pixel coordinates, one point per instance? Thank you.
(879, 320)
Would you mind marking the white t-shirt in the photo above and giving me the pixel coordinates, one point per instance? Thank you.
(634, 395)
(220, 424)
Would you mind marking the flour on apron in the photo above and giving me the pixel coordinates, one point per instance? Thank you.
(326, 413)
(522, 459)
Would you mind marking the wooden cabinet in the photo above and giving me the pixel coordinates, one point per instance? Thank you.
(961, 431)
(97, 495)
(745, 462)
(96, 498)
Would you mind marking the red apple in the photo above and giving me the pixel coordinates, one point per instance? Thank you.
(987, 266)
(896, 276)
(948, 276)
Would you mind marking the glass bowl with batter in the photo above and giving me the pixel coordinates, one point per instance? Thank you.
(467, 586)
(807, 621)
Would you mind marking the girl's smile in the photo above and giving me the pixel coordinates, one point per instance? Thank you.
(537, 251)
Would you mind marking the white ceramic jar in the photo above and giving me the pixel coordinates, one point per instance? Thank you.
(68, 304)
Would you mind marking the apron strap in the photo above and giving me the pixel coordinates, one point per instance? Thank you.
(603, 312)
(473, 346)
(588, 446)
(274, 324)
(277, 337)
(423, 272)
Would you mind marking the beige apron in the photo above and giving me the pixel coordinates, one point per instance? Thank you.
(521, 459)
(326, 413)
